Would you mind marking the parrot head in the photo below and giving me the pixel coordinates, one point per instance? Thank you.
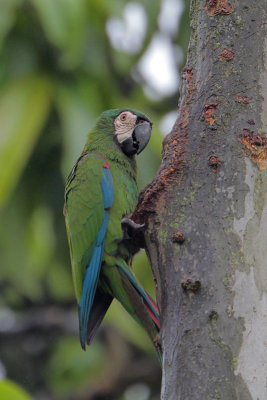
(131, 129)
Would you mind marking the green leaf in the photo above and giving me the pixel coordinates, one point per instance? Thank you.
(11, 391)
(77, 117)
(24, 106)
(70, 369)
(64, 23)
(7, 16)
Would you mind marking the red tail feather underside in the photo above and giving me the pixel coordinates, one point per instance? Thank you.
(151, 313)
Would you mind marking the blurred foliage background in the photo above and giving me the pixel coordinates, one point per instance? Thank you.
(62, 62)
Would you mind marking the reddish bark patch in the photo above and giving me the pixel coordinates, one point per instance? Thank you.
(173, 157)
(226, 55)
(214, 163)
(178, 237)
(255, 147)
(216, 7)
(191, 284)
(209, 111)
(243, 99)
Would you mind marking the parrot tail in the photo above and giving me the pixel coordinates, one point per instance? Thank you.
(147, 301)
(146, 310)
(154, 315)
(99, 308)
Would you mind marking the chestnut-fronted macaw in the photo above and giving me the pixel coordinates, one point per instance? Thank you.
(101, 190)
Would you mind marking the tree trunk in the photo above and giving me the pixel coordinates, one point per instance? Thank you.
(206, 211)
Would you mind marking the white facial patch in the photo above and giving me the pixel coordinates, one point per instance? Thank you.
(124, 125)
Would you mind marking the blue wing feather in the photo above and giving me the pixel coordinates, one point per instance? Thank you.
(93, 269)
(107, 188)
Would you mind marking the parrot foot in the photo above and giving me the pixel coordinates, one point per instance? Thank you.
(130, 228)
(132, 234)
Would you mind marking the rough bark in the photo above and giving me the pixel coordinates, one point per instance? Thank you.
(206, 211)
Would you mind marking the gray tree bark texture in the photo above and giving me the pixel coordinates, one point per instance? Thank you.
(206, 211)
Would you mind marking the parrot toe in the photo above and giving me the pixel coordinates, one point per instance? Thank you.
(130, 228)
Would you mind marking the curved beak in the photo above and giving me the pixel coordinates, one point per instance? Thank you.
(141, 135)
(138, 140)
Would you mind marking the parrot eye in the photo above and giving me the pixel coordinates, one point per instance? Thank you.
(123, 117)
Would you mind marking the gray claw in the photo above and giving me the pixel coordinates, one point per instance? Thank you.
(130, 228)
(127, 222)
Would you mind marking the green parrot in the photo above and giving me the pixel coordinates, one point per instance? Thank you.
(100, 191)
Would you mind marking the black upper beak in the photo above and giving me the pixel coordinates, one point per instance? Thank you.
(141, 135)
(139, 138)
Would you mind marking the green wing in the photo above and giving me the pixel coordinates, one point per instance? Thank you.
(84, 213)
